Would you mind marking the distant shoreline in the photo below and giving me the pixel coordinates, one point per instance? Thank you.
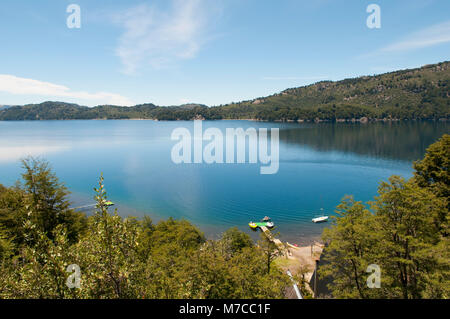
(361, 120)
(420, 93)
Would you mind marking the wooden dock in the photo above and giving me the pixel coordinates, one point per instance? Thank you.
(301, 260)
(276, 241)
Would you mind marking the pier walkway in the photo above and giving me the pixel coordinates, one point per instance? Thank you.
(298, 260)
(276, 241)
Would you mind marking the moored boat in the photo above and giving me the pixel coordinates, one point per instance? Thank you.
(320, 219)
(265, 222)
(253, 225)
(268, 222)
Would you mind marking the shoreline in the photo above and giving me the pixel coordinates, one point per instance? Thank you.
(300, 121)
(210, 231)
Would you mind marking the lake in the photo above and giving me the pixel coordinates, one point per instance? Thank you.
(319, 164)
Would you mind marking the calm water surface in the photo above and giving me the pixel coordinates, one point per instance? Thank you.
(319, 164)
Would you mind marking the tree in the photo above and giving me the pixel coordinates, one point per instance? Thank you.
(13, 214)
(405, 233)
(235, 240)
(269, 249)
(351, 240)
(6, 245)
(438, 282)
(127, 258)
(302, 283)
(250, 279)
(406, 216)
(243, 276)
(48, 199)
(145, 238)
(108, 254)
(181, 232)
(433, 171)
(39, 271)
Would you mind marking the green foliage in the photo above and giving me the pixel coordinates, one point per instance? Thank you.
(351, 241)
(13, 213)
(409, 94)
(269, 249)
(231, 267)
(48, 199)
(180, 233)
(433, 171)
(38, 271)
(124, 258)
(43, 194)
(235, 241)
(303, 283)
(406, 216)
(6, 245)
(405, 233)
(108, 255)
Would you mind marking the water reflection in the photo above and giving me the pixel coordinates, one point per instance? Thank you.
(320, 163)
(15, 153)
(399, 141)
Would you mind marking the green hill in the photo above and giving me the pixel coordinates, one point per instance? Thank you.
(409, 94)
(421, 93)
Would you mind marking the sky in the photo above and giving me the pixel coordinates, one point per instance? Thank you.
(171, 52)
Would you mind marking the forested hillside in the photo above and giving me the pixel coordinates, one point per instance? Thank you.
(421, 93)
(410, 94)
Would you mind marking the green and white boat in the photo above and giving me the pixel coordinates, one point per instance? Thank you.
(265, 222)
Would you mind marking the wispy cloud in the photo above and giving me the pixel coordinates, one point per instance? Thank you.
(160, 38)
(434, 35)
(22, 86)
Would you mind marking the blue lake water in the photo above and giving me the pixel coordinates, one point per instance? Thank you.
(319, 164)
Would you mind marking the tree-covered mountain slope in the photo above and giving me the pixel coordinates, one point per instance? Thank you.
(421, 93)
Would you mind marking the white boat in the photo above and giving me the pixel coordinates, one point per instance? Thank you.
(269, 222)
(320, 219)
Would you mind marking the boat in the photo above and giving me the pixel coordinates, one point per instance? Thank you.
(253, 225)
(93, 206)
(320, 219)
(265, 222)
(268, 222)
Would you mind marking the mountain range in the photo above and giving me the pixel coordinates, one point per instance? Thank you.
(421, 93)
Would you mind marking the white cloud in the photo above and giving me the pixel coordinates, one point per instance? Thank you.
(22, 86)
(434, 35)
(160, 38)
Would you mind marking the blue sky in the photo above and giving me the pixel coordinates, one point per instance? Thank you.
(171, 52)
